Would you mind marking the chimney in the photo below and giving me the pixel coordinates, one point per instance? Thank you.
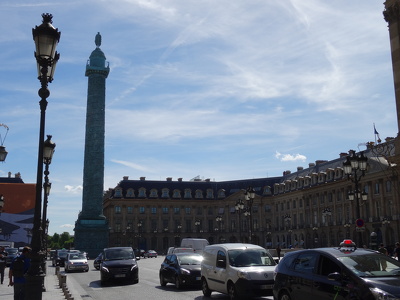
(169, 178)
(180, 179)
(207, 180)
(125, 178)
(343, 154)
(311, 165)
(299, 169)
(9, 174)
(318, 162)
(142, 178)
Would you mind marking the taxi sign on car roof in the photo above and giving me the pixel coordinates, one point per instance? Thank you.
(347, 245)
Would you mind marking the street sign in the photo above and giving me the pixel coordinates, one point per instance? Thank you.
(358, 229)
(360, 223)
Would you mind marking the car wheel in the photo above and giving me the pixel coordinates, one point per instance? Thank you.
(232, 293)
(284, 296)
(204, 288)
(178, 283)
(162, 280)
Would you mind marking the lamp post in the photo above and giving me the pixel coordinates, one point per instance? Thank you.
(48, 151)
(288, 220)
(249, 196)
(315, 236)
(347, 226)
(1, 203)
(239, 206)
(197, 224)
(3, 152)
(218, 219)
(385, 223)
(355, 167)
(46, 38)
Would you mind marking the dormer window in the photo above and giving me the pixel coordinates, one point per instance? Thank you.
(165, 193)
(153, 193)
(199, 194)
(118, 192)
(142, 192)
(188, 193)
(130, 193)
(221, 194)
(210, 194)
(176, 194)
(267, 190)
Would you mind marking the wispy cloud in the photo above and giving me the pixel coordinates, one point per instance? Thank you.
(290, 157)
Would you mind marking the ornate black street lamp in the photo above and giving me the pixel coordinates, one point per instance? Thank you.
(239, 207)
(1, 203)
(3, 152)
(46, 38)
(249, 196)
(355, 167)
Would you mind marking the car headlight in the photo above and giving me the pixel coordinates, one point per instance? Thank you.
(133, 267)
(185, 271)
(382, 295)
(243, 274)
(105, 269)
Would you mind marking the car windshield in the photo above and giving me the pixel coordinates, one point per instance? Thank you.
(190, 259)
(12, 251)
(116, 254)
(371, 265)
(77, 256)
(62, 254)
(250, 257)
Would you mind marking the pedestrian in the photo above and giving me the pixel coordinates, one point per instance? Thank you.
(382, 249)
(397, 251)
(3, 261)
(19, 266)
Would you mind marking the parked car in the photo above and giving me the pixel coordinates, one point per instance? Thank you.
(11, 254)
(183, 250)
(76, 262)
(97, 261)
(150, 253)
(137, 253)
(142, 252)
(182, 269)
(345, 272)
(238, 270)
(119, 263)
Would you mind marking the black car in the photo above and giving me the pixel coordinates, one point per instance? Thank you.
(182, 269)
(119, 263)
(11, 254)
(97, 261)
(339, 273)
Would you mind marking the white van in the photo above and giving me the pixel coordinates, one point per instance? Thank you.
(197, 244)
(238, 270)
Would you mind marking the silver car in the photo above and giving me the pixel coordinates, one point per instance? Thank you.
(76, 262)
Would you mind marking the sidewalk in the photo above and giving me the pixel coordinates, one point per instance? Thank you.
(53, 291)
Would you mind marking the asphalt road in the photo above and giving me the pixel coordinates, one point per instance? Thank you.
(87, 286)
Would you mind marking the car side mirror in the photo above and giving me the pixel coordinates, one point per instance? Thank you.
(335, 276)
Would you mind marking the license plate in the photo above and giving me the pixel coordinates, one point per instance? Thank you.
(119, 275)
(267, 286)
(198, 278)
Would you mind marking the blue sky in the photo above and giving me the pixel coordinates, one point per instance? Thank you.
(218, 88)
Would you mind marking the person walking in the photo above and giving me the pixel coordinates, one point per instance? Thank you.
(3, 262)
(19, 266)
(397, 251)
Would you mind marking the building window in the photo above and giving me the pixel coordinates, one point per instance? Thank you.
(130, 193)
(129, 210)
(187, 210)
(165, 210)
(177, 210)
(117, 209)
(388, 186)
(154, 210)
(294, 203)
(165, 193)
(267, 208)
(153, 193)
(188, 193)
(210, 194)
(199, 211)
(117, 227)
(301, 202)
(176, 194)
(376, 188)
(118, 192)
(210, 211)
(199, 194)
(221, 194)
(141, 210)
(142, 192)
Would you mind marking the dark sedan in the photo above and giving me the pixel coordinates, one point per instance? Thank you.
(182, 269)
(119, 263)
(97, 261)
(339, 273)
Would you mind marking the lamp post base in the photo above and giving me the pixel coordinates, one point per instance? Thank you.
(34, 287)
